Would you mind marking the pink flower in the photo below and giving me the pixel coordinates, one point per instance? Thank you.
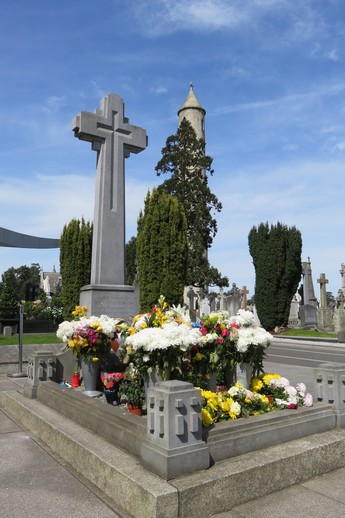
(220, 340)
(203, 330)
(308, 400)
(225, 332)
(292, 405)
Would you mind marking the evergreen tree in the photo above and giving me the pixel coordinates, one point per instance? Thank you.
(18, 281)
(161, 250)
(184, 158)
(75, 262)
(8, 295)
(276, 253)
(131, 261)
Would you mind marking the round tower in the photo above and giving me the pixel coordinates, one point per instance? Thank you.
(192, 110)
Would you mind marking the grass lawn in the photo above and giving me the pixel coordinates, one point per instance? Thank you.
(312, 333)
(31, 338)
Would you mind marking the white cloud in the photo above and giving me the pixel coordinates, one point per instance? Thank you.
(159, 90)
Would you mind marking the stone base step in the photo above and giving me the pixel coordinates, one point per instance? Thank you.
(139, 493)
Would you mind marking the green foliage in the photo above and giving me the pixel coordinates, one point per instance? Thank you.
(132, 387)
(161, 250)
(15, 284)
(75, 262)
(276, 253)
(183, 157)
(131, 261)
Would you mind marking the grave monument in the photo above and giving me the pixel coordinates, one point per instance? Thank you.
(324, 312)
(308, 309)
(113, 138)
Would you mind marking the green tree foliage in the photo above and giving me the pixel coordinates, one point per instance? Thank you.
(75, 262)
(276, 253)
(183, 157)
(131, 260)
(161, 250)
(17, 281)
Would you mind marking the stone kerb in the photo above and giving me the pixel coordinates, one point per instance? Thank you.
(330, 388)
(174, 444)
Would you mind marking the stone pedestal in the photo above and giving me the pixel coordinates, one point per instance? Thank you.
(174, 444)
(330, 388)
(41, 367)
(113, 300)
(308, 315)
(325, 319)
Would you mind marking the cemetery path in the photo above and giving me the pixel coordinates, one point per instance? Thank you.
(35, 482)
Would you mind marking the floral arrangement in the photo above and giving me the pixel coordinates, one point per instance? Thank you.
(240, 402)
(159, 340)
(110, 380)
(237, 402)
(88, 337)
(225, 341)
(283, 393)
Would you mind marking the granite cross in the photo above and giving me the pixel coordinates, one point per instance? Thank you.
(114, 138)
(323, 293)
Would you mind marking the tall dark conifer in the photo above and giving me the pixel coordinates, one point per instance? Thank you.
(161, 250)
(276, 253)
(75, 262)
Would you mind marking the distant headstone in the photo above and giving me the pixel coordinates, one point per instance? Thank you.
(233, 300)
(294, 312)
(7, 331)
(205, 307)
(244, 292)
(308, 309)
(324, 313)
(113, 138)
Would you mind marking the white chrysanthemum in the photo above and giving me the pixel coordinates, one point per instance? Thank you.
(235, 408)
(244, 318)
(65, 331)
(308, 400)
(169, 335)
(209, 338)
(291, 391)
(233, 391)
(301, 388)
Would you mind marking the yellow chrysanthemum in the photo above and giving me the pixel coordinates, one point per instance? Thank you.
(131, 330)
(206, 417)
(268, 377)
(256, 385)
(199, 357)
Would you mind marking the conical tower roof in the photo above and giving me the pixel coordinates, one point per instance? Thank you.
(191, 102)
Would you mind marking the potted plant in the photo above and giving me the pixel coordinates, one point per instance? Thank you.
(111, 382)
(132, 388)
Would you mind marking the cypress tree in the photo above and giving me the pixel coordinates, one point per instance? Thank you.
(276, 253)
(161, 250)
(75, 262)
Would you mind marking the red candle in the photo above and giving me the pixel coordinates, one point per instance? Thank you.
(75, 380)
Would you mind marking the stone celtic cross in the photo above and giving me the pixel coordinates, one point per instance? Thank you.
(113, 138)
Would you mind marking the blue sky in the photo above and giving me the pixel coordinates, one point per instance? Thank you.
(269, 73)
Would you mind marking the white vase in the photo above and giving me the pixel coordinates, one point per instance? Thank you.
(90, 370)
(243, 374)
